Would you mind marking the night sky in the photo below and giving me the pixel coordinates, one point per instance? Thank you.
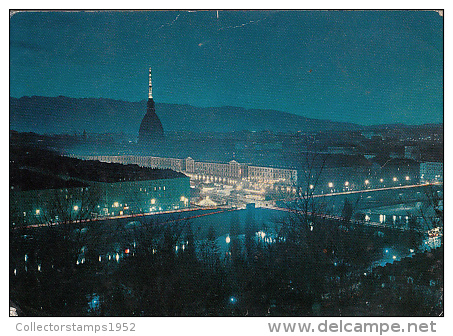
(367, 67)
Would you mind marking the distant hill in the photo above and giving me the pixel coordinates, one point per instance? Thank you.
(56, 115)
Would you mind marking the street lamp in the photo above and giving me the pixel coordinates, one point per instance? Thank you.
(185, 200)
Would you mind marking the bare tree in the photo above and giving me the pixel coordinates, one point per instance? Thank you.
(305, 207)
(433, 213)
(68, 213)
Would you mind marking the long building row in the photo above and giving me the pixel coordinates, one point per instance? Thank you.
(226, 172)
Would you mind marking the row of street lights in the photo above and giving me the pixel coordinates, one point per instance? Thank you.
(116, 204)
(366, 182)
(38, 211)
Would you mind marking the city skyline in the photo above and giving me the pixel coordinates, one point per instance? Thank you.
(366, 67)
(291, 165)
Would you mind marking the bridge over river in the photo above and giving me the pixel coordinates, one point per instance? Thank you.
(371, 198)
(366, 201)
(118, 232)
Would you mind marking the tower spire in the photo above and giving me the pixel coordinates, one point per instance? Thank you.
(150, 90)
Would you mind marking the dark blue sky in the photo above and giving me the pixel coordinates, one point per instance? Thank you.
(366, 67)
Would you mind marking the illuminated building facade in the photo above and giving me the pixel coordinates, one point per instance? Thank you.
(272, 175)
(112, 199)
(210, 171)
(431, 171)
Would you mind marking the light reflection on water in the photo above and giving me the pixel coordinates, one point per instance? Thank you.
(391, 256)
(266, 222)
